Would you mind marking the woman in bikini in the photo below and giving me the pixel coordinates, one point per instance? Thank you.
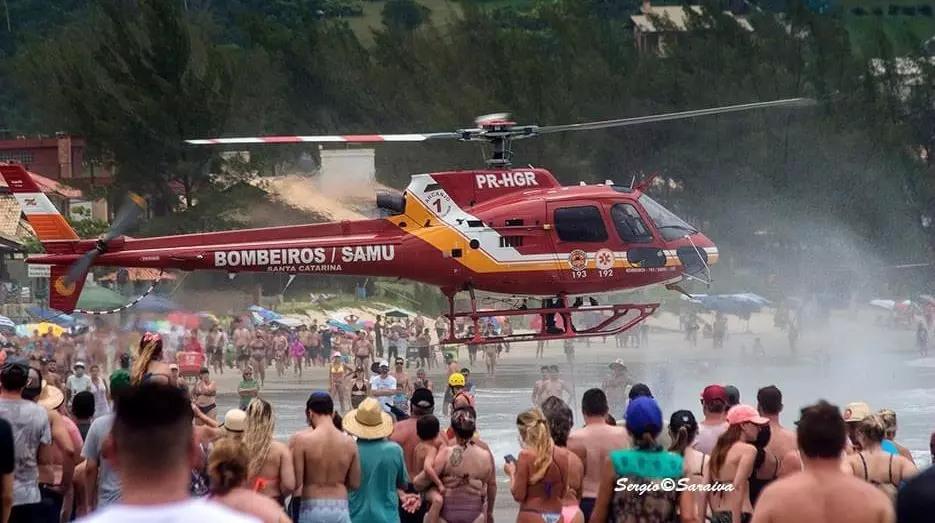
(538, 479)
(270, 471)
(464, 469)
(360, 387)
(204, 393)
(560, 419)
(338, 372)
(149, 366)
(227, 469)
(875, 465)
(683, 428)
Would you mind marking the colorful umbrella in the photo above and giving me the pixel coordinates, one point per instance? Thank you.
(97, 297)
(51, 315)
(7, 323)
(341, 326)
(187, 320)
(265, 314)
(27, 330)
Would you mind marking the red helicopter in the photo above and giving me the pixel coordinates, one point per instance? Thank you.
(509, 231)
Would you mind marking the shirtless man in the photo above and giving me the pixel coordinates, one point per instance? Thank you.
(363, 350)
(732, 462)
(422, 381)
(822, 492)
(66, 347)
(491, 351)
(537, 387)
(421, 403)
(769, 404)
(242, 339)
(554, 386)
(593, 444)
(215, 341)
(615, 386)
(326, 464)
(402, 377)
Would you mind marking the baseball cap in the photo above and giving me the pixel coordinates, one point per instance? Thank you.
(618, 363)
(644, 415)
(640, 390)
(683, 418)
(384, 363)
(15, 364)
(733, 395)
(714, 393)
(79, 364)
(856, 411)
(173, 366)
(336, 354)
(423, 398)
(744, 414)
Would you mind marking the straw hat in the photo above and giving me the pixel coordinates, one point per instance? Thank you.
(235, 420)
(368, 421)
(51, 397)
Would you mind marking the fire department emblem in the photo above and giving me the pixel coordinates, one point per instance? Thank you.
(604, 259)
(64, 288)
(578, 259)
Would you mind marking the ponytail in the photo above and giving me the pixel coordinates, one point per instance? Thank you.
(534, 431)
(681, 441)
(150, 348)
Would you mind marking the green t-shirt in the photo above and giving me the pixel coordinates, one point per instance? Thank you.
(382, 471)
(245, 400)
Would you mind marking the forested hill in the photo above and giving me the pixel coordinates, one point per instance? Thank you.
(136, 77)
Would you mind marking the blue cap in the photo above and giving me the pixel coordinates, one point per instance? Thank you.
(641, 413)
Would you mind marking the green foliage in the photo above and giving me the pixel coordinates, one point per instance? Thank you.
(405, 15)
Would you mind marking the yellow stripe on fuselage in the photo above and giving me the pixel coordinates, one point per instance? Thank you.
(445, 238)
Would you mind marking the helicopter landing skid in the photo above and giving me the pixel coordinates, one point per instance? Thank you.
(621, 318)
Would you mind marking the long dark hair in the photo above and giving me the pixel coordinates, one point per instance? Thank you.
(682, 438)
(724, 443)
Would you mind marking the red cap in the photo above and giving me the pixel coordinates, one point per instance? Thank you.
(714, 392)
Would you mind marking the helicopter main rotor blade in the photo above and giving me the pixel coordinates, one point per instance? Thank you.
(338, 138)
(126, 217)
(624, 122)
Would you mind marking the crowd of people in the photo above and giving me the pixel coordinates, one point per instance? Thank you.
(145, 446)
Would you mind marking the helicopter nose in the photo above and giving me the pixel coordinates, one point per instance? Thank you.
(696, 254)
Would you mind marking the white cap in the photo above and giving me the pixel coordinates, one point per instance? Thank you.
(336, 354)
(384, 363)
(173, 366)
(79, 364)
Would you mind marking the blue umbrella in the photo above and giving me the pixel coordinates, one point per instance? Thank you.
(51, 316)
(265, 314)
(341, 326)
(153, 303)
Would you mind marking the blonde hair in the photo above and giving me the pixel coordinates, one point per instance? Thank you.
(150, 348)
(258, 434)
(889, 422)
(872, 429)
(534, 431)
(227, 466)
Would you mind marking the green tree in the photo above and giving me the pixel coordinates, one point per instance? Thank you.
(404, 15)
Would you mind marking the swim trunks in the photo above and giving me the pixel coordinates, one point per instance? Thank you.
(324, 511)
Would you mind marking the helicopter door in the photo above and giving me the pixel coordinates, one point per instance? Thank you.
(635, 236)
(579, 233)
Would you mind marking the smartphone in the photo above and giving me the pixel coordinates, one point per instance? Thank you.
(509, 458)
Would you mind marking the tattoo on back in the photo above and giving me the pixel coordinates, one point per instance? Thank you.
(456, 456)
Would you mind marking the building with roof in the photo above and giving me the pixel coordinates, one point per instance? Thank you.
(654, 26)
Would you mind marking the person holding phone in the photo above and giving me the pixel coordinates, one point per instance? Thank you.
(538, 479)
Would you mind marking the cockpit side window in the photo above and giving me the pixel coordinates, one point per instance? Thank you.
(580, 224)
(670, 226)
(629, 224)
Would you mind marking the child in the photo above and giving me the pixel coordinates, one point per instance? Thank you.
(427, 428)
(400, 400)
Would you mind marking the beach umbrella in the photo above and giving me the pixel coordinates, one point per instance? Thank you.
(208, 317)
(888, 305)
(397, 313)
(341, 326)
(51, 315)
(97, 298)
(185, 319)
(265, 314)
(158, 304)
(27, 330)
(7, 324)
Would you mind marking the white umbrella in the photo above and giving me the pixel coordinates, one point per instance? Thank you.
(883, 304)
(7, 323)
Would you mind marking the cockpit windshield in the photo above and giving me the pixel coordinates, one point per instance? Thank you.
(670, 226)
